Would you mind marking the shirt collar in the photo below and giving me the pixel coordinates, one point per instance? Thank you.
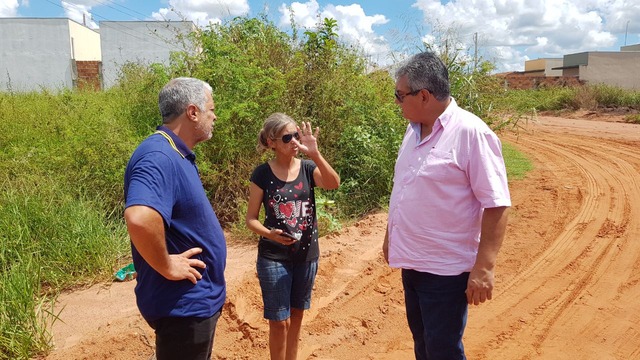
(448, 112)
(443, 120)
(180, 145)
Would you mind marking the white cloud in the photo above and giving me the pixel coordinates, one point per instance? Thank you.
(8, 8)
(202, 12)
(304, 14)
(537, 28)
(80, 11)
(616, 13)
(507, 58)
(354, 26)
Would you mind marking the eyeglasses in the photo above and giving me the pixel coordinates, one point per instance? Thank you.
(288, 137)
(400, 98)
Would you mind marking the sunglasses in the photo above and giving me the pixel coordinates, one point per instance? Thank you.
(400, 98)
(288, 137)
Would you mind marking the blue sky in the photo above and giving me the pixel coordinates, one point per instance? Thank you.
(509, 32)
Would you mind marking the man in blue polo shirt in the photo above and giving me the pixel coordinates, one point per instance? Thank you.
(177, 244)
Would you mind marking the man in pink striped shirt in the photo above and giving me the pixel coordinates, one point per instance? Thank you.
(448, 209)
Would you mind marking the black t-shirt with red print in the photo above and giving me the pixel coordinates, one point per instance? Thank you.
(291, 207)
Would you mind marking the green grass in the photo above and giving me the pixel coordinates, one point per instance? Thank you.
(588, 97)
(25, 317)
(633, 119)
(518, 165)
(50, 241)
(60, 206)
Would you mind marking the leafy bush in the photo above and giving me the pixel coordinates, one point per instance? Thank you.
(255, 70)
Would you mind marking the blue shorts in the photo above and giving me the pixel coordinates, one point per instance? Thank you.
(285, 285)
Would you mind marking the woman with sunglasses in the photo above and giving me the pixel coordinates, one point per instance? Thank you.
(288, 248)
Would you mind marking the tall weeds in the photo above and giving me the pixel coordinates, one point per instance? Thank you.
(588, 97)
(61, 159)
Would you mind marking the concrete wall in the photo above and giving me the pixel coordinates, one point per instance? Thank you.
(572, 71)
(85, 42)
(635, 47)
(576, 59)
(534, 65)
(142, 42)
(543, 67)
(613, 68)
(36, 53)
(550, 64)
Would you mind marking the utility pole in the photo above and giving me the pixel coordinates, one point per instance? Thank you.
(625, 33)
(475, 52)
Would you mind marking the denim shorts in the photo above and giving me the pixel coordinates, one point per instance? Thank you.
(285, 285)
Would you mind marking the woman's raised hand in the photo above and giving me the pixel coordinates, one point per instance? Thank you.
(308, 140)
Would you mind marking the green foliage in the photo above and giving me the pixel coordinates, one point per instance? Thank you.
(24, 320)
(633, 118)
(588, 97)
(328, 221)
(137, 93)
(531, 100)
(367, 155)
(67, 232)
(49, 239)
(69, 138)
(323, 40)
(256, 70)
(61, 164)
(518, 165)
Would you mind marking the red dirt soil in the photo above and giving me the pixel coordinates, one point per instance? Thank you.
(567, 278)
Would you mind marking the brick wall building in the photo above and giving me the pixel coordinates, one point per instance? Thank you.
(88, 75)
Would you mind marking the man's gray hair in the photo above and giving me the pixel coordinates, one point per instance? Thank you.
(426, 71)
(178, 93)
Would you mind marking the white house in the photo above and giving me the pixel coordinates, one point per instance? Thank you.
(143, 42)
(37, 53)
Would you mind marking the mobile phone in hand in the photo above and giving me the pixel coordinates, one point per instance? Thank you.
(295, 236)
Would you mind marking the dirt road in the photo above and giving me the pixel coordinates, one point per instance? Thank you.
(567, 278)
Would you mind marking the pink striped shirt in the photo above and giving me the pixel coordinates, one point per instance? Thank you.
(440, 187)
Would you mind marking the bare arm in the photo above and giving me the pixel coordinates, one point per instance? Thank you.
(146, 230)
(324, 175)
(481, 278)
(254, 224)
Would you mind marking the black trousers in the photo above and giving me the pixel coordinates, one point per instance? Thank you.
(187, 338)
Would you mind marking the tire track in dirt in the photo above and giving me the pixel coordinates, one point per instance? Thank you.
(581, 267)
(620, 228)
(536, 299)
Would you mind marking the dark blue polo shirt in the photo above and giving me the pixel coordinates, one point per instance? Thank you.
(162, 175)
